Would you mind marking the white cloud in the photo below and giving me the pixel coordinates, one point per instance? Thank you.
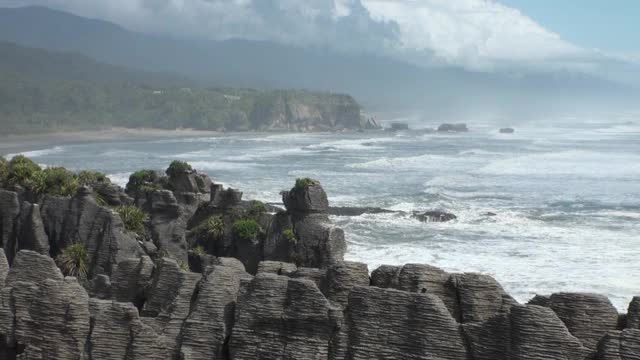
(476, 34)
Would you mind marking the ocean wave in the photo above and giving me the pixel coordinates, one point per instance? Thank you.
(351, 144)
(38, 153)
(120, 179)
(419, 162)
(221, 165)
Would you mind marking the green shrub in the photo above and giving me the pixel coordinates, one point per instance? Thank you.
(133, 218)
(143, 180)
(184, 266)
(256, 208)
(56, 181)
(73, 261)
(21, 170)
(92, 177)
(302, 183)
(177, 168)
(199, 250)
(246, 229)
(210, 229)
(289, 235)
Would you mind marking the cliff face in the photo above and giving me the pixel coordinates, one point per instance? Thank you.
(305, 111)
(221, 278)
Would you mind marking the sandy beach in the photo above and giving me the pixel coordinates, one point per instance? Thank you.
(13, 143)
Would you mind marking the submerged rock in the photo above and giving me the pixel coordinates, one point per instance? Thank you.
(507, 131)
(460, 127)
(434, 216)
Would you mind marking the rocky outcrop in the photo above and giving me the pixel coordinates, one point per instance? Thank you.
(434, 216)
(460, 127)
(619, 345)
(633, 314)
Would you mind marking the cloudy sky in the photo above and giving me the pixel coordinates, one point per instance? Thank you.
(487, 35)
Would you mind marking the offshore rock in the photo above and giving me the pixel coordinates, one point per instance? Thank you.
(460, 127)
(434, 216)
(307, 199)
(587, 316)
(282, 318)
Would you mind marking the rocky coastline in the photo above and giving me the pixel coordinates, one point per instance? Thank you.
(208, 275)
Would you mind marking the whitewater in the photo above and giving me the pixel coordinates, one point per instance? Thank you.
(565, 193)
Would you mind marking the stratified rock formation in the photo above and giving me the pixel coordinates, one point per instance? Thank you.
(217, 277)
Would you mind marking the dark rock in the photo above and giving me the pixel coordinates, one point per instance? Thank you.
(539, 300)
(276, 267)
(100, 287)
(344, 276)
(282, 318)
(80, 220)
(537, 333)
(490, 214)
(224, 199)
(507, 131)
(199, 262)
(357, 211)
(480, 297)
(460, 127)
(230, 262)
(318, 276)
(112, 194)
(168, 226)
(4, 268)
(434, 216)
(392, 324)
(427, 279)
(633, 314)
(490, 339)
(587, 316)
(619, 345)
(386, 276)
(130, 280)
(29, 266)
(113, 325)
(307, 199)
(319, 243)
(208, 327)
(9, 212)
(31, 230)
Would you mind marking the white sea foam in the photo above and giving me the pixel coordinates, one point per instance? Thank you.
(38, 153)
(221, 165)
(120, 179)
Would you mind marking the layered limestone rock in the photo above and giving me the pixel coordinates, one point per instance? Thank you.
(633, 314)
(619, 345)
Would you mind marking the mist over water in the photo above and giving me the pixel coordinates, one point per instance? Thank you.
(565, 192)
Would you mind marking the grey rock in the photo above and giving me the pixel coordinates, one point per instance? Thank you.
(434, 216)
(100, 287)
(633, 314)
(32, 235)
(80, 220)
(224, 199)
(540, 300)
(198, 263)
(538, 333)
(490, 339)
(460, 127)
(429, 279)
(391, 324)
(113, 324)
(112, 194)
(318, 276)
(208, 327)
(308, 199)
(229, 262)
(9, 212)
(507, 131)
(282, 318)
(319, 242)
(29, 266)
(357, 211)
(386, 276)
(4, 268)
(276, 267)
(587, 316)
(343, 277)
(480, 297)
(130, 279)
(168, 225)
(620, 345)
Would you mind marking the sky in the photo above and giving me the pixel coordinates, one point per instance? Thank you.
(594, 36)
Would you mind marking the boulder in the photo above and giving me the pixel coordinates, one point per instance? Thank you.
(460, 127)
(633, 314)
(386, 276)
(392, 324)
(306, 199)
(80, 220)
(207, 329)
(343, 277)
(619, 345)
(434, 216)
(282, 318)
(587, 316)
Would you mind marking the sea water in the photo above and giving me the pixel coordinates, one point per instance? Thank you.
(565, 193)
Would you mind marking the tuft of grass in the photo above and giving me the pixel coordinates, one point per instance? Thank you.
(246, 229)
(302, 183)
(21, 171)
(184, 266)
(73, 261)
(177, 168)
(210, 229)
(256, 208)
(56, 181)
(143, 180)
(289, 235)
(87, 177)
(199, 250)
(133, 218)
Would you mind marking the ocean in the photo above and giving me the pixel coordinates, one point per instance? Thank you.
(565, 193)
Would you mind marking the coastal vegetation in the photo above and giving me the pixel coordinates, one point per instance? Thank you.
(133, 218)
(246, 229)
(73, 261)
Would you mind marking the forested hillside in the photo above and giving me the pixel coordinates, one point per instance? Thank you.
(45, 91)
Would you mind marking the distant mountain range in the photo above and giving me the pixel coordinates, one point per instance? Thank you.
(379, 83)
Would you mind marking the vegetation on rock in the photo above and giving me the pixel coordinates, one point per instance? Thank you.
(256, 208)
(56, 181)
(73, 261)
(133, 218)
(177, 168)
(199, 250)
(21, 171)
(88, 177)
(246, 229)
(289, 235)
(143, 180)
(302, 183)
(210, 229)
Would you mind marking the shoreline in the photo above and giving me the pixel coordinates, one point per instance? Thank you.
(29, 141)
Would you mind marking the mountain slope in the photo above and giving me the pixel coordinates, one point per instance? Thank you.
(42, 91)
(381, 83)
